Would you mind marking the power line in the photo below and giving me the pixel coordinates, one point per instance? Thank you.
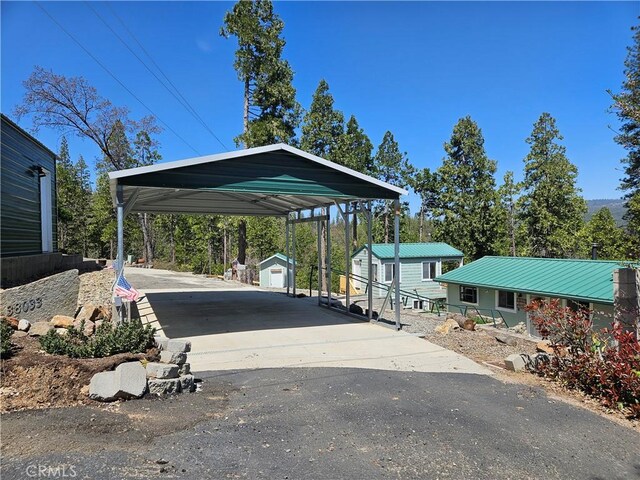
(114, 77)
(186, 103)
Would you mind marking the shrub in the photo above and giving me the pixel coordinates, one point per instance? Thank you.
(604, 364)
(109, 339)
(5, 339)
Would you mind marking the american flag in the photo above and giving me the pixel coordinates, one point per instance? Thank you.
(125, 290)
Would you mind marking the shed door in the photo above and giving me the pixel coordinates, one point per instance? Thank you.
(276, 277)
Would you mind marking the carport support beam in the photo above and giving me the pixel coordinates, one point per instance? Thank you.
(347, 254)
(396, 241)
(120, 251)
(293, 256)
(370, 262)
(320, 273)
(286, 234)
(328, 259)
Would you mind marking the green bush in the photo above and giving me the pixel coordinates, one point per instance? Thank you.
(5, 339)
(109, 339)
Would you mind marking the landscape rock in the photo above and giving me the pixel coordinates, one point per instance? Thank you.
(162, 370)
(520, 328)
(90, 313)
(19, 334)
(40, 328)
(161, 342)
(129, 380)
(12, 321)
(187, 383)
(62, 321)
(62, 331)
(173, 357)
(178, 346)
(89, 326)
(448, 325)
(544, 346)
(40, 300)
(507, 340)
(185, 369)
(462, 321)
(164, 386)
(516, 362)
(97, 323)
(24, 325)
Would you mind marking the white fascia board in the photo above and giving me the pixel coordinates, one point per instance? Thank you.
(113, 176)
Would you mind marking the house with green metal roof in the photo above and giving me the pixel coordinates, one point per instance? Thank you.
(420, 264)
(507, 284)
(273, 271)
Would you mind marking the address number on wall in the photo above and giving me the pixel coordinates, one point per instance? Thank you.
(24, 307)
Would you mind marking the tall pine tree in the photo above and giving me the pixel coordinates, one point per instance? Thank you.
(466, 193)
(322, 125)
(270, 112)
(627, 107)
(551, 208)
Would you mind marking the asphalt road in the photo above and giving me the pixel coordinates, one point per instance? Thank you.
(327, 423)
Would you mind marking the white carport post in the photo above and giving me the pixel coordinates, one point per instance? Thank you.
(293, 253)
(286, 234)
(320, 273)
(396, 240)
(120, 248)
(369, 262)
(347, 254)
(328, 257)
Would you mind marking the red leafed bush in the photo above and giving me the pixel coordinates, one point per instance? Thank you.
(604, 364)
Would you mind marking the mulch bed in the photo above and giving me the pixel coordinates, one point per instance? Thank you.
(33, 379)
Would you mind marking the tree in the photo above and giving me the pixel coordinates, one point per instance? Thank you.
(507, 194)
(466, 195)
(424, 183)
(602, 230)
(73, 106)
(551, 208)
(393, 167)
(626, 105)
(271, 112)
(322, 125)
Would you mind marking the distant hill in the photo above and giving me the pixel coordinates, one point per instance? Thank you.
(616, 206)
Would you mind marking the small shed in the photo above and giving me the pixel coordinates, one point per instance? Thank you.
(273, 271)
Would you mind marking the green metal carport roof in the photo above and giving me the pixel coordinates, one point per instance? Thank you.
(385, 251)
(271, 180)
(586, 280)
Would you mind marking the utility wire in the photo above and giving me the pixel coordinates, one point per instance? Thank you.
(186, 103)
(114, 77)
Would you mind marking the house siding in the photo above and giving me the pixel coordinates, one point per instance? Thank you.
(410, 275)
(602, 314)
(20, 231)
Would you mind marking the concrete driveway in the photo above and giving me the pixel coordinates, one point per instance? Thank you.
(232, 326)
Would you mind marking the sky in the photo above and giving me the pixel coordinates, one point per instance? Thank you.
(413, 68)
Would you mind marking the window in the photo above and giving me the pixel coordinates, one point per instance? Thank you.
(418, 304)
(506, 300)
(577, 305)
(389, 272)
(468, 294)
(428, 270)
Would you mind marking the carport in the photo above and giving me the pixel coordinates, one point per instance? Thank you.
(275, 180)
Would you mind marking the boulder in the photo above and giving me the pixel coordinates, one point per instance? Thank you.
(187, 383)
(89, 313)
(128, 380)
(89, 326)
(185, 369)
(516, 362)
(62, 321)
(178, 346)
(24, 325)
(506, 339)
(544, 347)
(11, 321)
(173, 357)
(162, 370)
(40, 328)
(167, 386)
(62, 331)
(448, 325)
(520, 328)
(19, 334)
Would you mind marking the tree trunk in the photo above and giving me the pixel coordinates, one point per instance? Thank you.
(386, 222)
(421, 229)
(172, 238)
(245, 113)
(242, 242)
(147, 237)
(355, 230)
